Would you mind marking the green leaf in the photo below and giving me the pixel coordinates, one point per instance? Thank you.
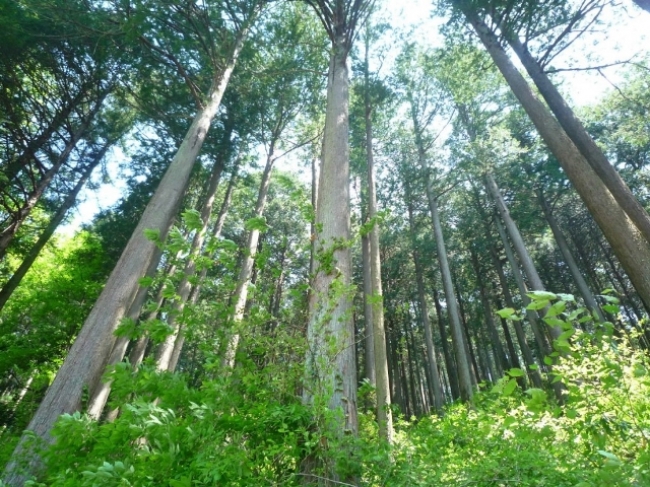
(145, 281)
(548, 360)
(537, 305)
(515, 372)
(192, 219)
(256, 223)
(510, 387)
(541, 295)
(506, 312)
(152, 235)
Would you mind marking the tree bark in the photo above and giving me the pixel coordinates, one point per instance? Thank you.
(626, 240)
(562, 244)
(166, 348)
(7, 235)
(90, 352)
(426, 322)
(582, 140)
(450, 361)
(330, 306)
(246, 271)
(462, 360)
(384, 414)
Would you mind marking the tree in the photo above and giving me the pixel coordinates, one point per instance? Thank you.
(89, 354)
(330, 317)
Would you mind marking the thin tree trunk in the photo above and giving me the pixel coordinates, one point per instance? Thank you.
(462, 360)
(367, 310)
(384, 414)
(7, 235)
(450, 361)
(500, 356)
(90, 352)
(540, 339)
(166, 348)
(68, 202)
(586, 293)
(517, 242)
(624, 237)
(241, 292)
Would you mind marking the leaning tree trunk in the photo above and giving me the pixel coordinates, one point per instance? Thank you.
(517, 242)
(166, 348)
(8, 233)
(562, 244)
(628, 243)
(90, 352)
(246, 271)
(462, 360)
(582, 140)
(68, 202)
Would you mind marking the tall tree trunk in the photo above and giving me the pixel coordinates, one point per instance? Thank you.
(68, 202)
(517, 242)
(585, 292)
(540, 339)
(166, 348)
(246, 271)
(384, 414)
(500, 356)
(462, 360)
(582, 140)
(432, 363)
(627, 242)
(330, 316)
(367, 311)
(14, 167)
(90, 352)
(450, 360)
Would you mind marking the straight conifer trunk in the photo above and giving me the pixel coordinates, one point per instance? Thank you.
(384, 413)
(330, 312)
(432, 362)
(562, 244)
(91, 350)
(246, 271)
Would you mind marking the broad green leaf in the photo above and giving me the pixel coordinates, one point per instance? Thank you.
(506, 312)
(515, 372)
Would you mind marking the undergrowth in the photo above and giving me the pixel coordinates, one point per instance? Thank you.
(249, 427)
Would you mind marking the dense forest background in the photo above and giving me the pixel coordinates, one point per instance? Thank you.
(345, 251)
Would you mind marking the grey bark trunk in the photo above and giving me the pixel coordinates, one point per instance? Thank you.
(384, 414)
(246, 271)
(562, 244)
(90, 352)
(166, 348)
(450, 361)
(432, 362)
(367, 311)
(583, 141)
(462, 360)
(8, 234)
(625, 238)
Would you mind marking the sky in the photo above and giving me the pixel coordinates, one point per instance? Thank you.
(626, 35)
